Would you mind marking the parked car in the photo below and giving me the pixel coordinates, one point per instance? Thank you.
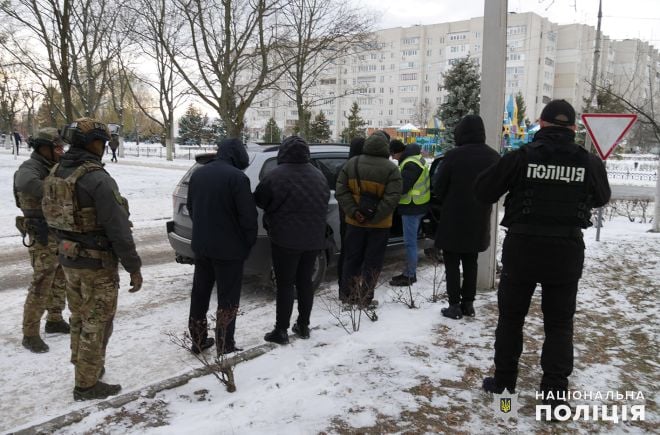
(328, 158)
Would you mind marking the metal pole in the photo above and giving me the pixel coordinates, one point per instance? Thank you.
(492, 102)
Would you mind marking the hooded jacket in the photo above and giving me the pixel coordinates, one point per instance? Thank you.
(410, 172)
(294, 197)
(464, 224)
(378, 175)
(221, 205)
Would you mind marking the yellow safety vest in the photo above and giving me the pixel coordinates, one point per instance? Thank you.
(421, 190)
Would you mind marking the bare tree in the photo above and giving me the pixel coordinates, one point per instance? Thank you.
(315, 36)
(226, 59)
(10, 96)
(422, 113)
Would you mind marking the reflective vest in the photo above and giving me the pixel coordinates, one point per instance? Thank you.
(553, 191)
(60, 202)
(420, 193)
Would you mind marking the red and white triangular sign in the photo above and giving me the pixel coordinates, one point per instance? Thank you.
(607, 129)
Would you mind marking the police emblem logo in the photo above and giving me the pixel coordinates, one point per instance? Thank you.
(505, 405)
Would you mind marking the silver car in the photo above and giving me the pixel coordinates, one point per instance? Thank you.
(328, 158)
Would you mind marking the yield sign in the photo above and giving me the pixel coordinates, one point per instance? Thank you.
(607, 129)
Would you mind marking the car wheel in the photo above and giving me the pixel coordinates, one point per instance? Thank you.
(320, 266)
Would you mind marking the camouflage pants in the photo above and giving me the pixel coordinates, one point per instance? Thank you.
(92, 295)
(47, 289)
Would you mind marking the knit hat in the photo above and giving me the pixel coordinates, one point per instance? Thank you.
(396, 146)
(470, 129)
(357, 143)
(559, 112)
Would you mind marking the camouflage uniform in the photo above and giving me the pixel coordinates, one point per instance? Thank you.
(47, 289)
(82, 202)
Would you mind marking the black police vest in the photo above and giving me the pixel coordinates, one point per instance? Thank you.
(553, 190)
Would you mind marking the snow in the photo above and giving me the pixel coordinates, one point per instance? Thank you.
(411, 371)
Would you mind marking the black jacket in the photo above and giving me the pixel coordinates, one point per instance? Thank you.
(464, 224)
(509, 172)
(222, 207)
(294, 197)
(409, 175)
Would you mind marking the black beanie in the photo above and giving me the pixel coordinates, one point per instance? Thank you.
(357, 144)
(559, 112)
(470, 129)
(396, 146)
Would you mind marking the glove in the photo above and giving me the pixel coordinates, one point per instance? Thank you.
(136, 281)
(359, 217)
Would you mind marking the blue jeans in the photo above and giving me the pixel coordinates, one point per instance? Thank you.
(410, 228)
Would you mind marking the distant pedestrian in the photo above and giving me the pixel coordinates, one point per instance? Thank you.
(114, 145)
(355, 150)
(368, 190)
(294, 196)
(17, 140)
(464, 224)
(552, 185)
(224, 218)
(413, 205)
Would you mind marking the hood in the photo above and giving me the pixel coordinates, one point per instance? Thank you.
(75, 156)
(357, 144)
(555, 134)
(233, 151)
(470, 129)
(377, 145)
(412, 149)
(294, 149)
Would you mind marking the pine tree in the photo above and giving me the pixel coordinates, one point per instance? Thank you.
(273, 134)
(355, 125)
(319, 130)
(522, 109)
(191, 126)
(463, 85)
(218, 130)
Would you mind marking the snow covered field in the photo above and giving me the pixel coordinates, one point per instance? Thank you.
(413, 371)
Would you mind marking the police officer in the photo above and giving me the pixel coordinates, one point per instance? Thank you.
(413, 204)
(47, 289)
(552, 184)
(82, 203)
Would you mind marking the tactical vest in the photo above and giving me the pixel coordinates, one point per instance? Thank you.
(553, 191)
(29, 205)
(60, 202)
(420, 193)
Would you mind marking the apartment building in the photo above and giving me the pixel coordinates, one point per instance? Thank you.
(400, 80)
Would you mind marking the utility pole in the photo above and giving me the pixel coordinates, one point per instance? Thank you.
(594, 72)
(492, 101)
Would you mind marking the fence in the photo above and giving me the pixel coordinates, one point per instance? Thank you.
(632, 175)
(158, 151)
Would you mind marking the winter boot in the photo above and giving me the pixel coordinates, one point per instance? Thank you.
(223, 347)
(489, 385)
(467, 308)
(100, 390)
(278, 336)
(300, 330)
(198, 348)
(199, 335)
(403, 281)
(59, 326)
(35, 344)
(453, 311)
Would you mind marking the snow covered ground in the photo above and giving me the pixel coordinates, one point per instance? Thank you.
(413, 371)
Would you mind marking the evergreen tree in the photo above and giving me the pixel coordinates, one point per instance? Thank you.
(218, 130)
(319, 130)
(606, 102)
(522, 109)
(192, 125)
(272, 134)
(463, 84)
(355, 125)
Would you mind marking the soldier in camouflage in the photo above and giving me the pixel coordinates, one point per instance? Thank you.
(47, 289)
(82, 203)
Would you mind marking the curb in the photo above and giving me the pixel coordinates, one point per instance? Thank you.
(149, 391)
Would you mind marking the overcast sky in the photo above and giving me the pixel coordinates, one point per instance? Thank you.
(621, 18)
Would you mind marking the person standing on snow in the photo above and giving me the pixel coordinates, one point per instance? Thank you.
(294, 197)
(224, 218)
(552, 185)
(47, 290)
(91, 220)
(464, 224)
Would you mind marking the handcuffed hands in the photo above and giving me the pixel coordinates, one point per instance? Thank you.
(136, 281)
(359, 217)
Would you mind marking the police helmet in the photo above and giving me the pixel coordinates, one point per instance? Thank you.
(84, 131)
(48, 136)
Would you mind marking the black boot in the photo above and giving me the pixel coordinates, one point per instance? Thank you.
(467, 308)
(100, 390)
(453, 311)
(57, 327)
(278, 336)
(35, 344)
(403, 281)
(198, 348)
(490, 385)
(300, 330)
(199, 335)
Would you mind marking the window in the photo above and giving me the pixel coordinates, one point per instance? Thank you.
(409, 53)
(549, 61)
(410, 41)
(516, 30)
(330, 166)
(515, 56)
(457, 36)
(328, 81)
(409, 76)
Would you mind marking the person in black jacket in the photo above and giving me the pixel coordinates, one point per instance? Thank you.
(464, 226)
(294, 197)
(224, 218)
(552, 184)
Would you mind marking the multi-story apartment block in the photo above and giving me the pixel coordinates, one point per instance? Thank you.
(400, 80)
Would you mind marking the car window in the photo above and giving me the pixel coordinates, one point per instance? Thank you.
(330, 166)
